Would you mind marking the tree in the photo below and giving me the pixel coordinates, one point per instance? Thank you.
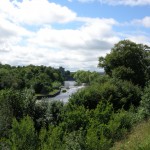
(52, 139)
(120, 93)
(128, 61)
(22, 135)
(144, 109)
(15, 104)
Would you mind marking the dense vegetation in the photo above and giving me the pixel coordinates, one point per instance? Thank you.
(40, 78)
(138, 139)
(86, 77)
(95, 117)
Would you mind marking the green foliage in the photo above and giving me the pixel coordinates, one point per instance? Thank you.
(120, 93)
(128, 61)
(11, 106)
(97, 130)
(16, 104)
(51, 139)
(41, 78)
(96, 140)
(119, 124)
(75, 140)
(56, 85)
(48, 113)
(144, 109)
(22, 135)
(102, 113)
(123, 73)
(40, 114)
(89, 97)
(55, 91)
(64, 91)
(54, 111)
(137, 139)
(85, 76)
(74, 118)
(6, 113)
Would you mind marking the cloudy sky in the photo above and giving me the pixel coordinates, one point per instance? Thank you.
(69, 33)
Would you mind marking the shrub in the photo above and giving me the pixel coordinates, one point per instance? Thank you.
(144, 109)
(22, 135)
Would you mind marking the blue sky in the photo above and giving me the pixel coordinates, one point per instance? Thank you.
(97, 9)
(69, 33)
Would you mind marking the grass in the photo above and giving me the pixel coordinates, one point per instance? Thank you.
(40, 94)
(50, 93)
(54, 92)
(138, 139)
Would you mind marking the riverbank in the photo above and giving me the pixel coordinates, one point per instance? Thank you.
(65, 96)
(70, 88)
(50, 95)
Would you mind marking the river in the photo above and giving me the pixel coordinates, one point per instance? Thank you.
(71, 89)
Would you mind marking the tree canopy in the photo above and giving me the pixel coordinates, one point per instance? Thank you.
(128, 61)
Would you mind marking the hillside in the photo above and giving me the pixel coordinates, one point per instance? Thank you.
(137, 139)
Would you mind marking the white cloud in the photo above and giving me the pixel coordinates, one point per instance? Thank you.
(94, 34)
(121, 2)
(77, 48)
(71, 60)
(11, 34)
(36, 12)
(139, 39)
(144, 22)
(71, 48)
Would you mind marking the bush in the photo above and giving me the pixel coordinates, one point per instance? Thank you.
(23, 135)
(64, 91)
(144, 109)
(118, 126)
(120, 93)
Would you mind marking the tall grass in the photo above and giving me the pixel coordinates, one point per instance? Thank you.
(138, 139)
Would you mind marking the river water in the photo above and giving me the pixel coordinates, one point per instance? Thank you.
(71, 89)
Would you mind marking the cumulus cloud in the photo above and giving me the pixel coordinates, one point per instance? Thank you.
(72, 60)
(77, 48)
(71, 48)
(36, 12)
(121, 2)
(94, 34)
(144, 22)
(139, 38)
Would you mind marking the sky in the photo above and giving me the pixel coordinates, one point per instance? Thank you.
(69, 33)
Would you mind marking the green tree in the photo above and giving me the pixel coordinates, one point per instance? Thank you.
(52, 139)
(23, 135)
(144, 109)
(6, 113)
(15, 104)
(96, 140)
(74, 118)
(118, 92)
(53, 112)
(75, 140)
(128, 61)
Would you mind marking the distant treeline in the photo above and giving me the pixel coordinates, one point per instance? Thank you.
(40, 78)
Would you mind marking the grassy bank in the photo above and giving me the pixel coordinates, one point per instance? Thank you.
(55, 91)
(138, 139)
(50, 94)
